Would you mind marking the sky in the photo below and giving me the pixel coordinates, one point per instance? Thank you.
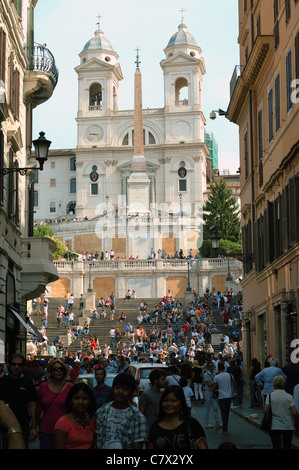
(66, 25)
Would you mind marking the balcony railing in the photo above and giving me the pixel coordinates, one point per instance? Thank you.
(40, 59)
(203, 264)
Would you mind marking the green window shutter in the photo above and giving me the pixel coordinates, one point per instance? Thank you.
(292, 211)
(266, 237)
(284, 216)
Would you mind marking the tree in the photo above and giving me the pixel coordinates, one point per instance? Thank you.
(43, 231)
(221, 214)
(60, 249)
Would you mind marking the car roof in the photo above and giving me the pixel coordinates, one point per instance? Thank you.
(147, 364)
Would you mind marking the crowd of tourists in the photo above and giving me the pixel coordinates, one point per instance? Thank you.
(62, 412)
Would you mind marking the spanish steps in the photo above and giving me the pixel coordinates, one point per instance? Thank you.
(100, 327)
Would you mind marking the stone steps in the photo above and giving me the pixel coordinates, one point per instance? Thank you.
(100, 328)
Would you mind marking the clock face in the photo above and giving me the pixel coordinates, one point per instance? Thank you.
(94, 133)
(182, 172)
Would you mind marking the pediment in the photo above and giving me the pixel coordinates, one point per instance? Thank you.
(180, 57)
(128, 166)
(95, 63)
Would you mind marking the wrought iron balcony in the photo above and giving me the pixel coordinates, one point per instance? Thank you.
(41, 76)
(40, 59)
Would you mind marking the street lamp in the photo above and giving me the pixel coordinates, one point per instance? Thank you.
(219, 111)
(229, 278)
(215, 241)
(41, 150)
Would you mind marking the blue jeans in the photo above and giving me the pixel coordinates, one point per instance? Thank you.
(211, 403)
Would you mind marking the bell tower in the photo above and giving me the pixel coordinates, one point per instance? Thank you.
(99, 74)
(183, 70)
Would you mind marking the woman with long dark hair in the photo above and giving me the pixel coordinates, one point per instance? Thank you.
(76, 429)
(174, 430)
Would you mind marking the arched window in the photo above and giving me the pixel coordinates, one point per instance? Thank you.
(71, 208)
(52, 206)
(181, 92)
(73, 185)
(35, 198)
(95, 97)
(73, 164)
(148, 138)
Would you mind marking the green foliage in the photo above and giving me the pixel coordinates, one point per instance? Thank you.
(43, 231)
(221, 214)
(207, 251)
(60, 249)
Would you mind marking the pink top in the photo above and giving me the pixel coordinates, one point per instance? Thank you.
(57, 408)
(78, 437)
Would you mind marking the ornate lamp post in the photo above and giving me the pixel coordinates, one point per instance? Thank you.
(215, 241)
(41, 151)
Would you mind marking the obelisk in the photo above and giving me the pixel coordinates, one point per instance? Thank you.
(138, 182)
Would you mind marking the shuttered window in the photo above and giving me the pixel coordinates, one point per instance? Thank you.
(270, 114)
(289, 80)
(2, 54)
(293, 210)
(276, 24)
(11, 189)
(260, 146)
(246, 154)
(277, 103)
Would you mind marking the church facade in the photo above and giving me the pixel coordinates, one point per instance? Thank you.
(92, 182)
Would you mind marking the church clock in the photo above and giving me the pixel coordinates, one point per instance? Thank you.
(94, 133)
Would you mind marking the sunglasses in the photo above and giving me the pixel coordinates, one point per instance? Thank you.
(16, 364)
(58, 369)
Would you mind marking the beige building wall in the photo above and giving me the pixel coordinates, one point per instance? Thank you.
(269, 166)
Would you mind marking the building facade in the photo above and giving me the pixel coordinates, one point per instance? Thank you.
(93, 179)
(264, 104)
(25, 263)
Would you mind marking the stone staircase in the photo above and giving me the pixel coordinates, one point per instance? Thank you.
(100, 328)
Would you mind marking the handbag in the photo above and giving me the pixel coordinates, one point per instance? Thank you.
(234, 391)
(190, 437)
(266, 423)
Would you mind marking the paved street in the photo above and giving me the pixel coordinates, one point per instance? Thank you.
(242, 431)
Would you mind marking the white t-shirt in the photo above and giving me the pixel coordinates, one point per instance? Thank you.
(115, 424)
(188, 394)
(224, 381)
(281, 402)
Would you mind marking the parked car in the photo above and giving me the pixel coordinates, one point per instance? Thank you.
(141, 372)
(90, 379)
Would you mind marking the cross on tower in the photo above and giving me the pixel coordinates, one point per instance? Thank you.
(99, 17)
(182, 12)
(137, 59)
